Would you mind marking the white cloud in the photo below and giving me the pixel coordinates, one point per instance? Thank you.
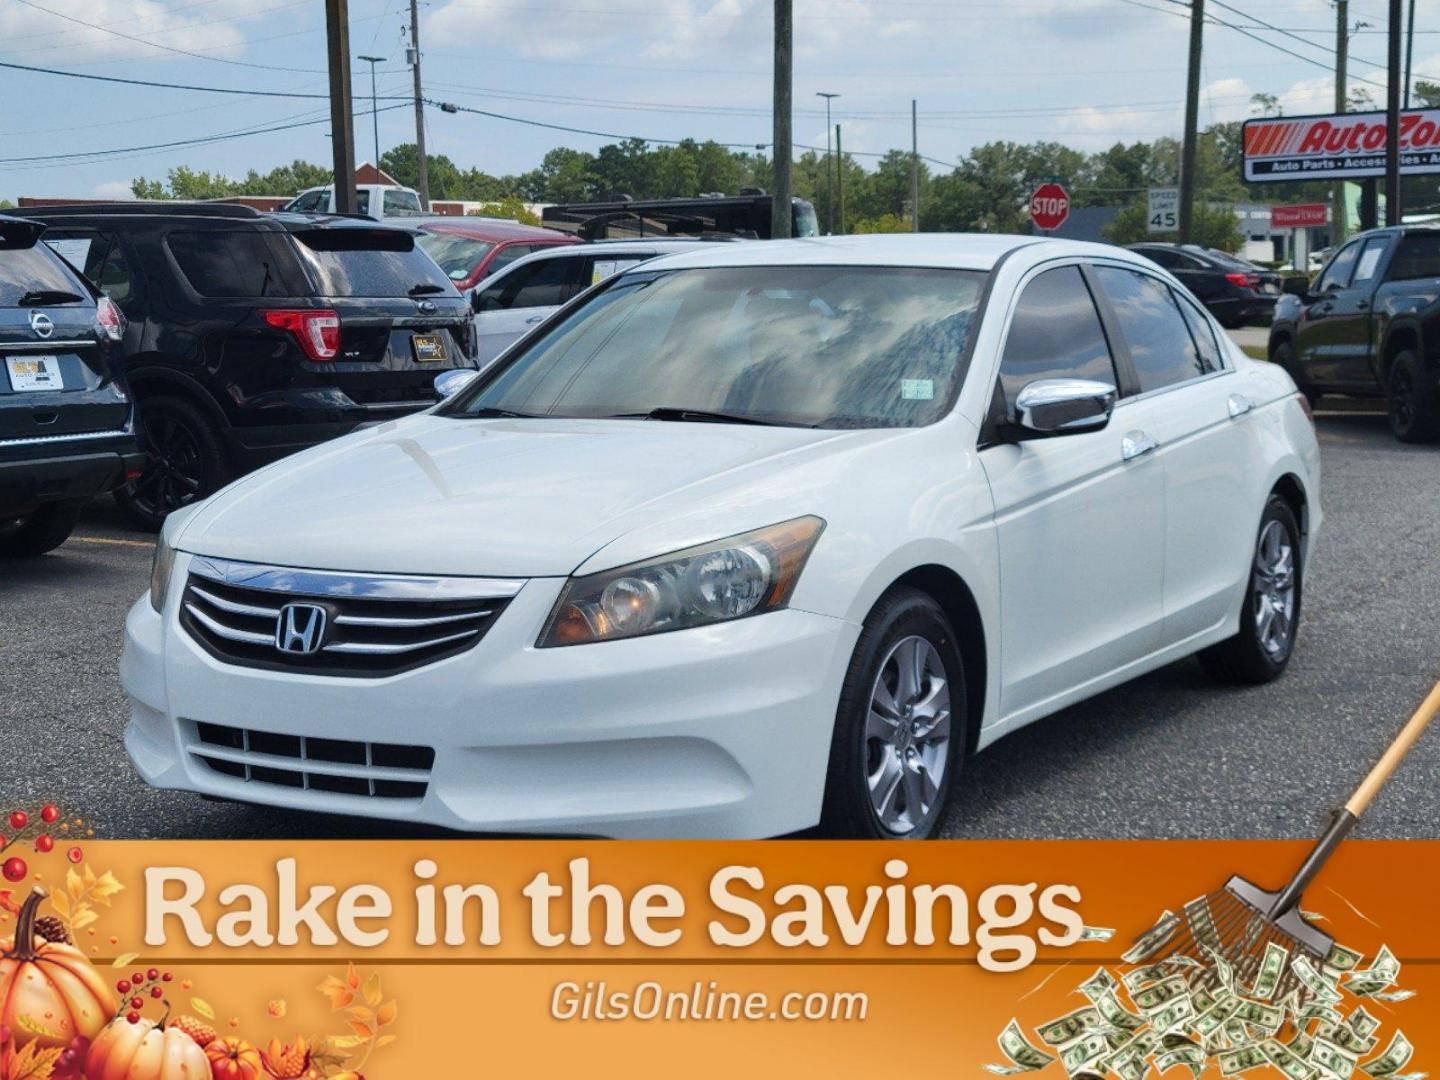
(45, 38)
(114, 189)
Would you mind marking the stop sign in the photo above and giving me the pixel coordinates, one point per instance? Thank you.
(1049, 206)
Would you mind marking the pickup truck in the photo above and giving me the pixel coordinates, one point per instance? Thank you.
(378, 201)
(1370, 327)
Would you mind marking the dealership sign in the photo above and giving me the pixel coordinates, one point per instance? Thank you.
(1347, 146)
(1303, 216)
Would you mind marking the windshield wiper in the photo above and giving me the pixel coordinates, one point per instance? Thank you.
(424, 289)
(46, 297)
(490, 412)
(704, 416)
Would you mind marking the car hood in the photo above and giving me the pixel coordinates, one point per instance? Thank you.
(503, 497)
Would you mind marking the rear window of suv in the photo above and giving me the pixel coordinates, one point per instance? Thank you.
(365, 262)
(236, 263)
(24, 270)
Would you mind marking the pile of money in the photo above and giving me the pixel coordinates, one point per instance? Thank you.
(1199, 1011)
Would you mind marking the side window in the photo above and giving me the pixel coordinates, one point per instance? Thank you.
(1212, 357)
(309, 202)
(546, 283)
(1170, 260)
(1161, 347)
(1055, 334)
(362, 201)
(400, 200)
(83, 249)
(1337, 274)
(1368, 264)
(1417, 257)
(507, 255)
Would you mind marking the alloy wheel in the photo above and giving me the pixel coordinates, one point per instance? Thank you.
(174, 471)
(907, 735)
(1273, 585)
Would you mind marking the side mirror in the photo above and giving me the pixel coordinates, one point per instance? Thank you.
(450, 383)
(1296, 286)
(1064, 406)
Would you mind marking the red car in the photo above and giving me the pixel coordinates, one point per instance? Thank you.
(470, 249)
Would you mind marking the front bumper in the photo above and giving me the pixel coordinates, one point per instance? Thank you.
(716, 732)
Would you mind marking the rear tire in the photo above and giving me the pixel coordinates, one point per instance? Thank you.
(1260, 651)
(1414, 402)
(185, 461)
(902, 727)
(44, 530)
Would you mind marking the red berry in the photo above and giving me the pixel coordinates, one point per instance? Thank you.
(157, 993)
(123, 986)
(50, 813)
(166, 977)
(44, 844)
(15, 869)
(75, 854)
(138, 978)
(19, 819)
(133, 1017)
(152, 974)
(137, 1003)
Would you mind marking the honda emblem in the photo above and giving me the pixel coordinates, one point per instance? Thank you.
(300, 629)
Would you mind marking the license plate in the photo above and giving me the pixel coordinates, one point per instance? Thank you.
(428, 348)
(34, 373)
(1270, 288)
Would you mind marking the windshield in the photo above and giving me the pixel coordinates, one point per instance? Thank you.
(457, 255)
(33, 270)
(819, 346)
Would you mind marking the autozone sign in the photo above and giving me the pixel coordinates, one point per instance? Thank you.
(1349, 146)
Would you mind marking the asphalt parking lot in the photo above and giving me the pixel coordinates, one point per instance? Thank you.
(1171, 755)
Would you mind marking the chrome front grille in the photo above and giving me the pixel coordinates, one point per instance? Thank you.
(327, 623)
(338, 766)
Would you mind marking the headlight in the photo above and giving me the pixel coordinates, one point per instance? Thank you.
(729, 579)
(160, 571)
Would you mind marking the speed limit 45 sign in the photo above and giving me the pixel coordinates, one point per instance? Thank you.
(1162, 214)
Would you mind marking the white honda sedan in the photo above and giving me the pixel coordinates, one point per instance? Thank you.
(744, 540)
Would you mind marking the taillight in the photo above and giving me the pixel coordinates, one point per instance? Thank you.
(109, 318)
(1244, 281)
(317, 330)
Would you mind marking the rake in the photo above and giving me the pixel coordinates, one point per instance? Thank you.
(1239, 921)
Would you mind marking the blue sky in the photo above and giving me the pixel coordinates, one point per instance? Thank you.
(1083, 72)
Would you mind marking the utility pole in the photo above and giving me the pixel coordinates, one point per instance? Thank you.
(374, 110)
(1409, 52)
(423, 163)
(780, 210)
(840, 176)
(914, 170)
(1339, 212)
(829, 172)
(342, 120)
(1192, 122)
(1392, 119)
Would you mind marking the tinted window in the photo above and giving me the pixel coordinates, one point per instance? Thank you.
(544, 283)
(311, 200)
(1203, 334)
(101, 257)
(114, 275)
(1337, 274)
(25, 269)
(1170, 260)
(835, 346)
(401, 200)
(1417, 257)
(233, 263)
(1161, 348)
(370, 262)
(457, 255)
(1368, 265)
(507, 255)
(1055, 334)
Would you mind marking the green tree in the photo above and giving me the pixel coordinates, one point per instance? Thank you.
(885, 223)
(1212, 226)
(511, 206)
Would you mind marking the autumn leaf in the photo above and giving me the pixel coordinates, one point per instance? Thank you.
(384, 1040)
(361, 1013)
(88, 876)
(83, 917)
(73, 884)
(105, 887)
(124, 959)
(365, 1031)
(386, 1013)
(341, 1043)
(35, 1027)
(372, 990)
(352, 977)
(59, 901)
(339, 994)
(33, 1063)
(203, 1007)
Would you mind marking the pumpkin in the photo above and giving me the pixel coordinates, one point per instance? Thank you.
(233, 1059)
(49, 984)
(145, 1051)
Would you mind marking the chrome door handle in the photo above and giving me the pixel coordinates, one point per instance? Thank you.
(1239, 405)
(1136, 444)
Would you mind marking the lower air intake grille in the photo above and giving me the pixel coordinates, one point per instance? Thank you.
(339, 766)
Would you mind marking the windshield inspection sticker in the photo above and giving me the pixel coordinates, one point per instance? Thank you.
(917, 389)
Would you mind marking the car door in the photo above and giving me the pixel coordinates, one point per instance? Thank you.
(510, 304)
(1199, 418)
(1332, 334)
(1080, 517)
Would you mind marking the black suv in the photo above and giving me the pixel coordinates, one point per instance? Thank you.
(255, 335)
(67, 428)
(1235, 292)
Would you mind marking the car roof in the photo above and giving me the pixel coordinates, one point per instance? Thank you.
(656, 247)
(497, 230)
(961, 251)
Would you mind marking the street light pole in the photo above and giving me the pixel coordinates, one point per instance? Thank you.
(829, 172)
(374, 112)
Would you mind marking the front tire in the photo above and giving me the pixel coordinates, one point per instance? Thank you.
(1270, 617)
(44, 530)
(185, 461)
(901, 731)
(1414, 404)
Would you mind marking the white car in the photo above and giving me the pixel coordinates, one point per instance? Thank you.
(378, 201)
(756, 537)
(513, 301)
